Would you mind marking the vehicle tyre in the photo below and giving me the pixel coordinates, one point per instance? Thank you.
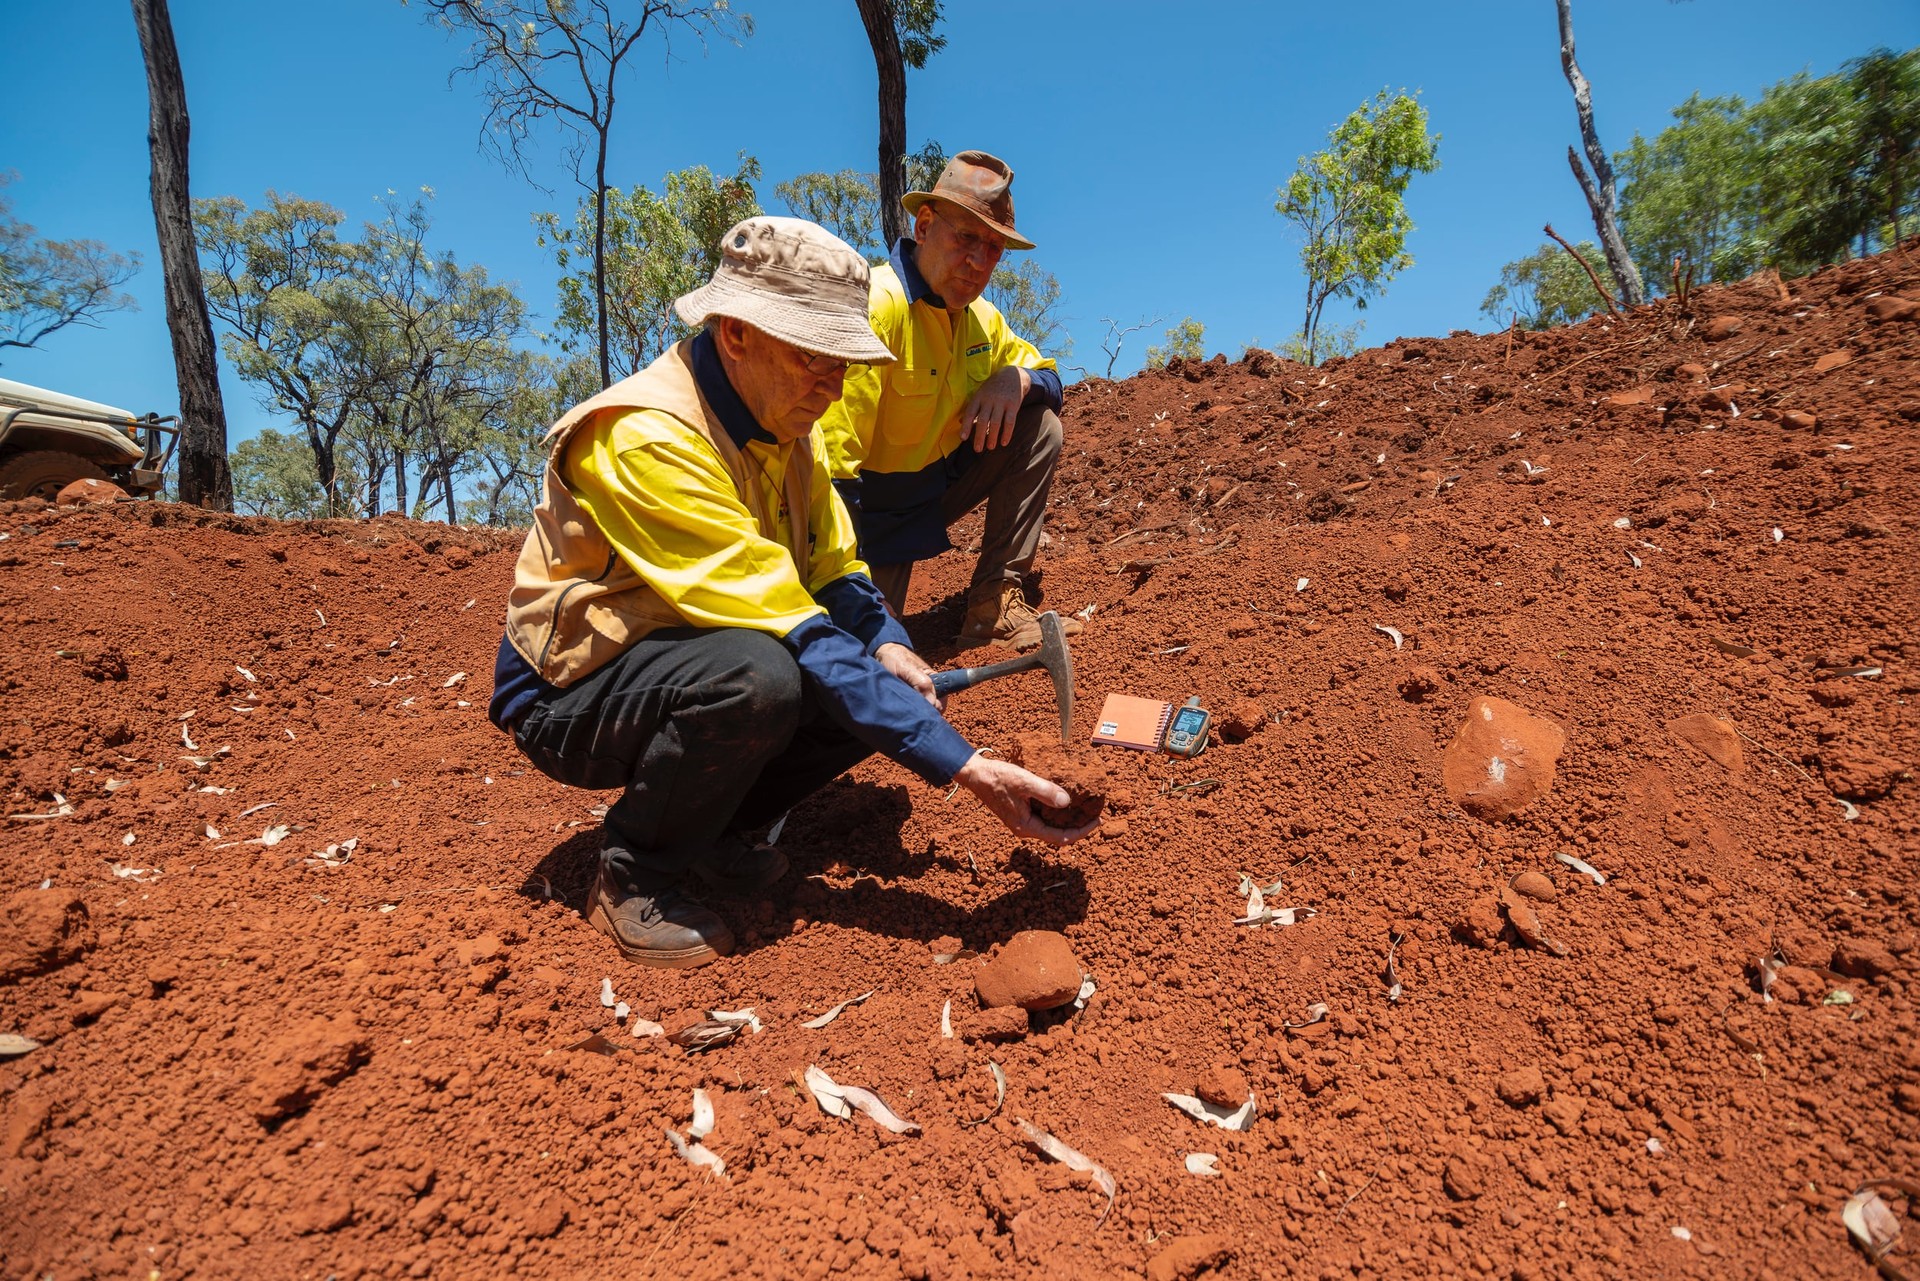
(43, 473)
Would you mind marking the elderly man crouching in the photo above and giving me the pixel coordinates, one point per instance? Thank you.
(689, 621)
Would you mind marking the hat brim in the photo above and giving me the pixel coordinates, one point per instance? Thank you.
(826, 331)
(912, 201)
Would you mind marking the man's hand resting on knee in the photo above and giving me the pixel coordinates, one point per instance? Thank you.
(989, 417)
(1009, 792)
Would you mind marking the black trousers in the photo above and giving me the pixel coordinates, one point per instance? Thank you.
(707, 730)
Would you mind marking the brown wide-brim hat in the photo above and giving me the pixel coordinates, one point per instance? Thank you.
(792, 280)
(980, 184)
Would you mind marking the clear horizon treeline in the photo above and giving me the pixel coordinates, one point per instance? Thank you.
(412, 383)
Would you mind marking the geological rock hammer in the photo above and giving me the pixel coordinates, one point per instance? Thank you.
(1052, 655)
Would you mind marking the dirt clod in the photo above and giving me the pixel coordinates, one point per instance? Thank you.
(1077, 768)
(1035, 970)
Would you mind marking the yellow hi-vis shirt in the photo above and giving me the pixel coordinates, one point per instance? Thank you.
(668, 506)
(905, 416)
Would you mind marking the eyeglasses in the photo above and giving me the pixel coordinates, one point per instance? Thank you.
(971, 241)
(824, 365)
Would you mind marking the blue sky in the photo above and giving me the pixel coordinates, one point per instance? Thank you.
(1148, 138)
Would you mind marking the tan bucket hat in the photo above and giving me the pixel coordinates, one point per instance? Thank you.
(980, 184)
(792, 280)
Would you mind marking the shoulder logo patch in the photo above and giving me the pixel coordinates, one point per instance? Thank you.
(980, 349)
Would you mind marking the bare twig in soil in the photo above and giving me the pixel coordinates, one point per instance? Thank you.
(1371, 1178)
(1144, 529)
(1513, 325)
(1605, 296)
(1620, 346)
(1201, 785)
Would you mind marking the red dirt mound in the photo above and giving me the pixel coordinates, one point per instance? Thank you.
(326, 1006)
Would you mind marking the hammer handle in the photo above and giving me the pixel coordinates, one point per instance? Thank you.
(959, 678)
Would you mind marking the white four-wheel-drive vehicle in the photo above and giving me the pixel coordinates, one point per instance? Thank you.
(49, 440)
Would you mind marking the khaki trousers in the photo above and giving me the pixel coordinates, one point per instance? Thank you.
(1013, 481)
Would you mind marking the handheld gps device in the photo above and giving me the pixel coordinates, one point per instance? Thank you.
(1187, 735)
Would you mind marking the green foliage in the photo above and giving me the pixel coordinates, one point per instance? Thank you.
(274, 475)
(1183, 343)
(924, 166)
(1544, 289)
(46, 285)
(386, 354)
(1816, 168)
(914, 22)
(845, 203)
(657, 248)
(1330, 342)
(1029, 297)
(1349, 203)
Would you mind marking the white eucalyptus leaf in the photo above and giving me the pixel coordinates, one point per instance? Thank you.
(816, 1024)
(1049, 1146)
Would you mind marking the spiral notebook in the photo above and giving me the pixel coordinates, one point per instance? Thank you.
(1139, 723)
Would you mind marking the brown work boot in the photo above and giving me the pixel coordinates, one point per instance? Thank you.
(665, 929)
(736, 869)
(998, 613)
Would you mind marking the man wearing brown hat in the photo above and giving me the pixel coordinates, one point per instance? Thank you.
(689, 620)
(966, 411)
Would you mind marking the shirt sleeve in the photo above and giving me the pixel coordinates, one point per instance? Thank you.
(666, 503)
(874, 705)
(856, 606)
(1010, 348)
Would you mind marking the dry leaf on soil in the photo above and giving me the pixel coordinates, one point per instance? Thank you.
(999, 1094)
(844, 1100)
(12, 1046)
(946, 1019)
(1049, 1146)
(1581, 866)
(699, 1155)
(1240, 1118)
(816, 1024)
(1205, 1164)
(1394, 632)
(1873, 1225)
(607, 998)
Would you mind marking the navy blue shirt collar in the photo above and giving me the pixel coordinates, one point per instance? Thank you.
(727, 406)
(909, 272)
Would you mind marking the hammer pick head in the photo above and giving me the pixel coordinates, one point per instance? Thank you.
(1058, 660)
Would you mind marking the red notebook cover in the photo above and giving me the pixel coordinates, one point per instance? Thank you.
(1127, 721)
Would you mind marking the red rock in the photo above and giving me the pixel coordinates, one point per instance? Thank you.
(1079, 769)
(1535, 886)
(1241, 719)
(88, 491)
(1224, 1087)
(1633, 396)
(1716, 739)
(1721, 327)
(1187, 1257)
(1799, 419)
(1521, 1087)
(1860, 774)
(1502, 759)
(41, 930)
(1564, 1111)
(1035, 970)
(1862, 959)
(1888, 307)
(1464, 1178)
(1482, 924)
(1832, 360)
(1005, 1023)
(290, 1071)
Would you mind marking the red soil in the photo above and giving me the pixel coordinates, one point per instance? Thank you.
(258, 1064)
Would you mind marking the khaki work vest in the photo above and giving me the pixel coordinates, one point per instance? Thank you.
(575, 605)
